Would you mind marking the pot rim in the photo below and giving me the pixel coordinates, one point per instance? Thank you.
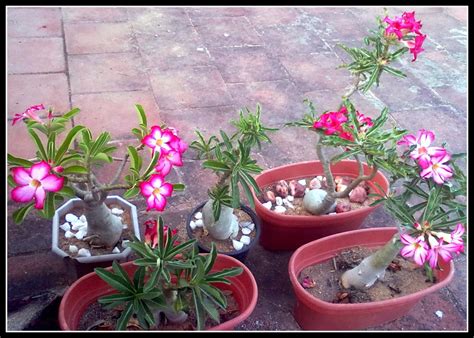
(244, 313)
(289, 218)
(306, 297)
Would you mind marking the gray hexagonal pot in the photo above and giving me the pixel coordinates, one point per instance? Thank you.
(79, 266)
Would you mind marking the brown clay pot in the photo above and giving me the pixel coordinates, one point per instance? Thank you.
(314, 314)
(288, 232)
(90, 287)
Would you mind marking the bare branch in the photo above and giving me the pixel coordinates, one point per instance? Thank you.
(356, 182)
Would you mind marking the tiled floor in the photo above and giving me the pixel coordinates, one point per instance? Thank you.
(195, 67)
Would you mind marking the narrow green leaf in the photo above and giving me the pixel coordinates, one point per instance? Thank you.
(39, 144)
(118, 297)
(125, 317)
(71, 113)
(130, 193)
(16, 161)
(67, 142)
(75, 169)
(394, 71)
(115, 281)
(135, 163)
(20, 214)
(215, 165)
(178, 187)
(141, 114)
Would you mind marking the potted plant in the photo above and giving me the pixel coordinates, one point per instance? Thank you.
(170, 286)
(66, 169)
(230, 159)
(431, 215)
(336, 194)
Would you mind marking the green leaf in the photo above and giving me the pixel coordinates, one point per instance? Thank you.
(227, 142)
(39, 144)
(135, 158)
(373, 77)
(132, 192)
(48, 208)
(178, 187)
(151, 283)
(211, 310)
(179, 248)
(215, 165)
(118, 297)
(198, 307)
(66, 143)
(345, 155)
(151, 165)
(210, 258)
(71, 113)
(234, 180)
(215, 294)
(138, 278)
(16, 161)
(125, 317)
(115, 281)
(75, 169)
(141, 114)
(394, 71)
(103, 157)
(20, 214)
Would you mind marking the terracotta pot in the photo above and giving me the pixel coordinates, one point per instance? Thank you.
(90, 287)
(79, 266)
(241, 254)
(288, 232)
(314, 314)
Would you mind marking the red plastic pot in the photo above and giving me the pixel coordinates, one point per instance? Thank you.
(90, 287)
(288, 232)
(314, 314)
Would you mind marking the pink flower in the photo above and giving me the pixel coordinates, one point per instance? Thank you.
(456, 238)
(402, 26)
(308, 283)
(29, 113)
(155, 191)
(416, 248)
(437, 169)
(423, 152)
(331, 122)
(365, 122)
(151, 233)
(34, 182)
(158, 139)
(444, 251)
(168, 160)
(178, 144)
(415, 46)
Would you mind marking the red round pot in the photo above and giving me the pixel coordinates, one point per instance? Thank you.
(288, 232)
(314, 314)
(90, 287)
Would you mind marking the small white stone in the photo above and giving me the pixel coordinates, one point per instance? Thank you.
(199, 223)
(226, 35)
(125, 243)
(71, 218)
(192, 225)
(245, 240)
(69, 234)
(80, 234)
(237, 245)
(251, 226)
(288, 204)
(73, 249)
(246, 231)
(83, 253)
(65, 226)
(302, 182)
(200, 49)
(116, 250)
(280, 209)
(290, 198)
(319, 178)
(332, 213)
(279, 200)
(245, 224)
(439, 314)
(83, 219)
(267, 205)
(198, 215)
(117, 211)
(77, 225)
(124, 226)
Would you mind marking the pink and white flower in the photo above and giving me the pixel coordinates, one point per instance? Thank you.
(167, 161)
(423, 152)
(438, 249)
(159, 140)
(34, 182)
(438, 169)
(415, 45)
(155, 190)
(415, 247)
(29, 113)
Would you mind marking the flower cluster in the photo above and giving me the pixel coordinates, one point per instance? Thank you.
(335, 123)
(402, 27)
(151, 233)
(432, 160)
(430, 244)
(171, 149)
(29, 113)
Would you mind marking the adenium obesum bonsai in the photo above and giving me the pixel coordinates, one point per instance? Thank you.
(431, 209)
(67, 169)
(231, 161)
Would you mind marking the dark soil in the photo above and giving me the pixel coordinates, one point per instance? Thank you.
(223, 246)
(96, 318)
(299, 209)
(402, 278)
(127, 234)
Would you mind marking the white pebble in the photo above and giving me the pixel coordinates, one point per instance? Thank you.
(192, 225)
(439, 314)
(267, 205)
(78, 225)
(302, 182)
(199, 223)
(83, 253)
(125, 243)
(69, 234)
(73, 249)
(200, 49)
(71, 218)
(245, 224)
(246, 231)
(332, 213)
(245, 240)
(280, 209)
(288, 204)
(198, 215)
(290, 198)
(279, 200)
(125, 226)
(116, 250)
(319, 178)
(251, 226)
(117, 211)
(80, 234)
(237, 245)
(65, 226)
(83, 219)
(226, 35)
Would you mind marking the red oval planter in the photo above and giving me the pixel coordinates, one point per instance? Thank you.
(90, 287)
(314, 314)
(288, 232)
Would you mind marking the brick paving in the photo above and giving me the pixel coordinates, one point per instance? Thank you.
(195, 67)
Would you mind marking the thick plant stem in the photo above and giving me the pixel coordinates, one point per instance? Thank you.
(225, 227)
(373, 267)
(103, 227)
